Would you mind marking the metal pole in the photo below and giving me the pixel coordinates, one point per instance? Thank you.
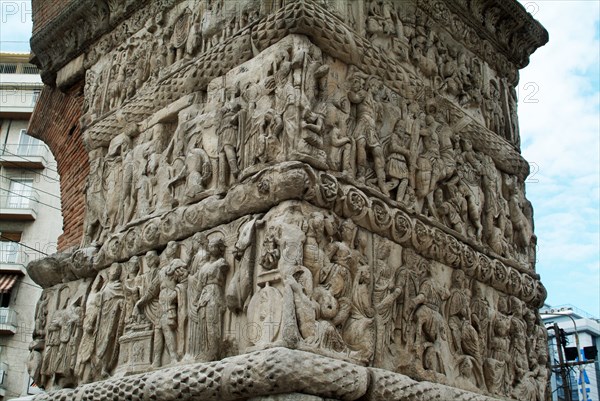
(580, 366)
(563, 371)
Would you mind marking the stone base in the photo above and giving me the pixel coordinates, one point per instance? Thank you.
(277, 374)
(291, 397)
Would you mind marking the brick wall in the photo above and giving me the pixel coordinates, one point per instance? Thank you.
(45, 11)
(55, 120)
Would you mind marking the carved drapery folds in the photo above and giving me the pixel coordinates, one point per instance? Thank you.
(267, 175)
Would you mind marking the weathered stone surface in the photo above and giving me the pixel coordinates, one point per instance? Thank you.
(297, 200)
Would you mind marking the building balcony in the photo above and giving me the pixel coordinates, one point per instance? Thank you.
(18, 206)
(14, 260)
(28, 156)
(8, 321)
(18, 98)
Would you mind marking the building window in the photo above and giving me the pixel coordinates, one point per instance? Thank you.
(20, 194)
(35, 96)
(28, 145)
(8, 251)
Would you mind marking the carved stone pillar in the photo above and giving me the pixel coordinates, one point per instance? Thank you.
(294, 200)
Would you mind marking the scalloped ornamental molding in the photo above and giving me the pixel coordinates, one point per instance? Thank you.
(264, 373)
(78, 26)
(510, 29)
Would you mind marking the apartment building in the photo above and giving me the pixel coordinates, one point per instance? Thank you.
(30, 218)
(573, 353)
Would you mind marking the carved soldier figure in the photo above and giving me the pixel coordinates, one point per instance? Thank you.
(365, 131)
(447, 212)
(429, 165)
(470, 187)
(398, 155)
(228, 138)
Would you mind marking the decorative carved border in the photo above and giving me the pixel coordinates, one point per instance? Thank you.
(263, 373)
(300, 182)
(327, 32)
(81, 23)
(500, 31)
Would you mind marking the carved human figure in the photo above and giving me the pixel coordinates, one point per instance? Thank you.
(240, 286)
(132, 285)
(337, 276)
(207, 302)
(430, 325)
(185, 124)
(464, 339)
(160, 173)
(493, 110)
(95, 200)
(144, 188)
(518, 342)
(49, 363)
(359, 329)
(398, 155)
(158, 311)
(481, 316)
(365, 131)
(300, 282)
(447, 150)
(70, 337)
(128, 194)
(520, 223)
(196, 173)
(447, 212)
(228, 139)
(314, 255)
(114, 171)
(409, 278)
(386, 293)
(496, 366)
(269, 139)
(470, 187)
(111, 321)
(336, 116)
(429, 165)
(171, 301)
(86, 367)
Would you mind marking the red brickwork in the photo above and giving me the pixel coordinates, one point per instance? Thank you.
(45, 11)
(55, 120)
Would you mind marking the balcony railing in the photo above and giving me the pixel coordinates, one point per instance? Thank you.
(24, 155)
(18, 205)
(8, 321)
(13, 258)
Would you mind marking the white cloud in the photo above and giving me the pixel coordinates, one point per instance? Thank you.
(561, 133)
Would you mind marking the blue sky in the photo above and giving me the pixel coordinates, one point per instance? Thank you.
(560, 131)
(561, 135)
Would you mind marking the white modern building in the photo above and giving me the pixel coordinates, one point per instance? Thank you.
(30, 218)
(581, 368)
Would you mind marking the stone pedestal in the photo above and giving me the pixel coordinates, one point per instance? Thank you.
(135, 351)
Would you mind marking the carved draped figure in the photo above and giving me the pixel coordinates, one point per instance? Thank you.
(110, 325)
(207, 304)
